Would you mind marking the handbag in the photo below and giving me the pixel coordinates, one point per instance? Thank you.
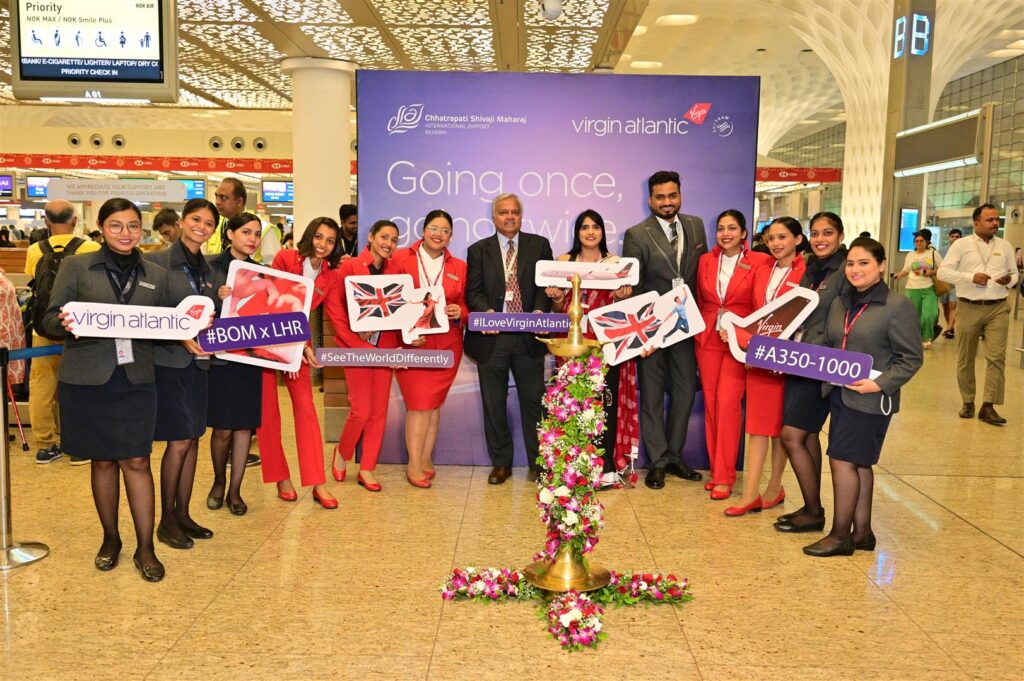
(941, 287)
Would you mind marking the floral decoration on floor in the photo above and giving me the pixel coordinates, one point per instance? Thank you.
(572, 516)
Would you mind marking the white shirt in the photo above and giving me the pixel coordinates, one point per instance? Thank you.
(726, 268)
(915, 262)
(308, 271)
(430, 268)
(970, 255)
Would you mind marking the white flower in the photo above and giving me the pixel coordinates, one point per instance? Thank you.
(589, 414)
(571, 518)
(546, 496)
(570, 617)
(562, 491)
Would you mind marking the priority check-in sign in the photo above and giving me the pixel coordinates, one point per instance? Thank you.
(243, 333)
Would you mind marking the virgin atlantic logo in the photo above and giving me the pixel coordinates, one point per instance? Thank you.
(407, 118)
(698, 113)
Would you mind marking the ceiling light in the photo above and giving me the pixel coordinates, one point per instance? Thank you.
(935, 167)
(1004, 54)
(808, 121)
(639, 30)
(646, 64)
(935, 124)
(1016, 45)
(112, 101)
(677, 20)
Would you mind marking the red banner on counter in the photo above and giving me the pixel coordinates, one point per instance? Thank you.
(147, 163)
(799, 174)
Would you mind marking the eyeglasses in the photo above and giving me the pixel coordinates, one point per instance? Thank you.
(118, 227)
(438, 230)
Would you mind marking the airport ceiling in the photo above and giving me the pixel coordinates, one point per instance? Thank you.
(229, 50)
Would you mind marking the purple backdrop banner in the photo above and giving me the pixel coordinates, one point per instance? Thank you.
(564, 143)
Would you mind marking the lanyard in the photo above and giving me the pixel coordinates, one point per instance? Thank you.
(505, 264)
(196, 279)
(124, 292)
(984, 258)
(771, 294)
(722, 290)
(848, 323)
(423, 266)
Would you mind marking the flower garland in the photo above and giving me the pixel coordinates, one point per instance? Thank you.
(575, 621)
(628, 588)
(489, 584)
(572, 464)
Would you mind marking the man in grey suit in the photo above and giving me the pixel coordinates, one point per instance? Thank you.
(499, 278)
(667, 244)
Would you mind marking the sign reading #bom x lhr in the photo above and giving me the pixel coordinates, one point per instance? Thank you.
(241, 333)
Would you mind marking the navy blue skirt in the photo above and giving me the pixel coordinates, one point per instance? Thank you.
(803, 406)
(181, 403)
(235, 396)
(108, 422)
(853, 435)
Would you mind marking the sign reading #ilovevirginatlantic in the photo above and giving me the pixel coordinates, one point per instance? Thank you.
(518, 322)
(819, 362)
(242, 333)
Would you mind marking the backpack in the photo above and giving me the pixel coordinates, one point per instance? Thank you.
(42, 283)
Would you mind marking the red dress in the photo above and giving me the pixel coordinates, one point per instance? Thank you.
(723, 379)
(424, 389)
(308, 436)
(368, 387)
(764, 388)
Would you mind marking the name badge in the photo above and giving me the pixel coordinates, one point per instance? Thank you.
(743, 265)
(452, 276)
(508, 295)
(319, 290)
(718, 319)
(123, 349)
(145, 284)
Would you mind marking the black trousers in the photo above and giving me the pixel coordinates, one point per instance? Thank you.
(672, 370)
(510, 354)
(611, 416)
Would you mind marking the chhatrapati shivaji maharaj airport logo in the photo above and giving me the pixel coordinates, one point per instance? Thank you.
(407, 118)
(722, 126)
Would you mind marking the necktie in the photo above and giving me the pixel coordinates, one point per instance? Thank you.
(515, 302)
(677, 241)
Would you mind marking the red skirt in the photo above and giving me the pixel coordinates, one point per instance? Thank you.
(765, 391)
(425, 389)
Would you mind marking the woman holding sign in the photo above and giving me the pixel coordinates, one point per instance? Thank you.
(368, 387)
(234, 406)
(106, 386)
(804, 409)
(725, 281)
(181, 368)
(765, 388)
(622, 429)
(430, 263)
(867, 318)
(316, 257)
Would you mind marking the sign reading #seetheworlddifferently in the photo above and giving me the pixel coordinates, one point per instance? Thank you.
(105, 320)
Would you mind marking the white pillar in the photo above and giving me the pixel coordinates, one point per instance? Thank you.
(321, 100)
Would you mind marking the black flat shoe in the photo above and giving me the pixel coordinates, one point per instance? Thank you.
(818, 550)
(865, 544)
(785, 518)
(238, 509)
(213, 502)
(681, 470)
(655, 478)
(198, 532)
(814, 526)
(182, 542)
(150, 573)
(107, 563)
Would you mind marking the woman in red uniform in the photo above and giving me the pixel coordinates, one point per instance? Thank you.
(368, 387)
(765, 388)
(725, 280)
(315, 257)
(424, 390)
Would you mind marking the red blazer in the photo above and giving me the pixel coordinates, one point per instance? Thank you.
(453, 281)
(326, 290)
(763, 276)
(346, 337)
(739, 296)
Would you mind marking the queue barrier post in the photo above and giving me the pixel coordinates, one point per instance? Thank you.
(12, 554)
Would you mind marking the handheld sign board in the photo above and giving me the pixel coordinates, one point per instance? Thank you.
(106, 320)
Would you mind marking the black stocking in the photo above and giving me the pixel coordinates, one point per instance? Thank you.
(138, 484)
(106, 493)
(241, 441)
(170, 478)
(220, 441)
(862, 516)
(804, 451)
(183, 495)
(846, 489)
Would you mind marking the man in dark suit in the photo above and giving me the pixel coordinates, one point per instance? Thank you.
(668, 244)
(500, 278)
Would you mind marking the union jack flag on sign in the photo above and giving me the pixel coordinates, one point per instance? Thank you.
(377, 302)
(629, 330)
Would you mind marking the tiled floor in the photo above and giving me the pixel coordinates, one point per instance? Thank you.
(293, 591)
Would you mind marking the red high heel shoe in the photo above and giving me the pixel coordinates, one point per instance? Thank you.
(338, 475)
(370, 486)
(776, 501)
(329, 504)
(708, 486)
(753, 507)
(429, 475)
(287, 496)
(719, 495)
(422, 484)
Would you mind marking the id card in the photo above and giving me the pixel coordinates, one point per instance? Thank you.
(123, 349)
(718, 319)
(677, 282)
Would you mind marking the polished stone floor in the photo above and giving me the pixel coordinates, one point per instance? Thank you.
(292, 591)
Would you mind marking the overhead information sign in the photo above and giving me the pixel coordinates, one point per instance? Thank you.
(134, 190)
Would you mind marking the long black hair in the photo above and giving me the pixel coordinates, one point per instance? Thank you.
(305, 245)
(111, 206)
(194, 205)
(577, 245)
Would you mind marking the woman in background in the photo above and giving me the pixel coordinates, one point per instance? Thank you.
(368, 387)
(725, 280)
(920, 265)
(235, 404)
(424, 391)
(866, 317)
(783, 237)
